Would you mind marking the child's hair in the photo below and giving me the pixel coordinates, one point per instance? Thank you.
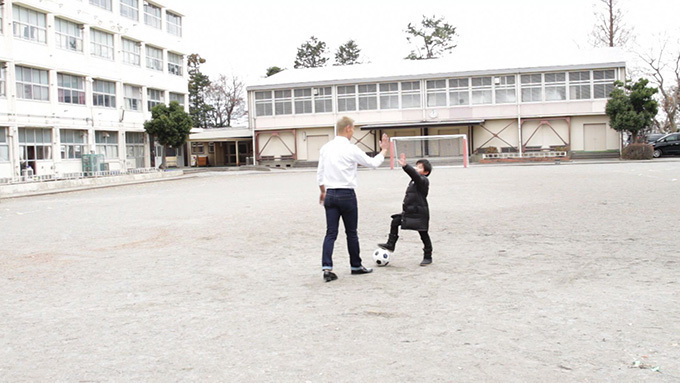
(427, 166)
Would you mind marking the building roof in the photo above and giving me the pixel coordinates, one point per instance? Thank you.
(457, 64)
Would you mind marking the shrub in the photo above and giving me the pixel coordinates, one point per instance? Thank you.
(638, 152)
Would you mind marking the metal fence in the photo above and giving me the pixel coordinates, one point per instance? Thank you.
(74, 176)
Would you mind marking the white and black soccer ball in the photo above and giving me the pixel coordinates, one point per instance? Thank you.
(382, 256)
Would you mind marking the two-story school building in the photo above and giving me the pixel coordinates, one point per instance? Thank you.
(541, 103)
(80, 77)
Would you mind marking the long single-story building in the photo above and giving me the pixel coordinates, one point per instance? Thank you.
(550, 102)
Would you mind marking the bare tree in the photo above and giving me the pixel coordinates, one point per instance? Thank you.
(666, 74)
(609, 29)
(226, 99)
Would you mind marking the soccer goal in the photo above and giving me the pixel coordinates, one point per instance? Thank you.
(447, 149)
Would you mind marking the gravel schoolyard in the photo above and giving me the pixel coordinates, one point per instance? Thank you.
(543, 273)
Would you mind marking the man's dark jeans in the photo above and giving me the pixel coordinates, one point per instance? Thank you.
(341, 203)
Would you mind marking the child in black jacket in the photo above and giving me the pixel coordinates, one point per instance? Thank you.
(415, 213)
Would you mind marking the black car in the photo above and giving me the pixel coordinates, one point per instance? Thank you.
(653, 137)
(666, 145)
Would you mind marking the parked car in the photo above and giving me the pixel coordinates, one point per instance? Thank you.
(666, 145)
(651, 137)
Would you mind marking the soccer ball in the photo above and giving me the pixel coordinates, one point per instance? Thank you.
(381, 256)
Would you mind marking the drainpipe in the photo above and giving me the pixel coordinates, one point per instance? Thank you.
(519, 115)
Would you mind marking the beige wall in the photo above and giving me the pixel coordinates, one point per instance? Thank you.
(480, 136)
(578, 134)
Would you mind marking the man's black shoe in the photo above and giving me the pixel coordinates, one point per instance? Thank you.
(329, 276)
(362, 270)
(426, 261)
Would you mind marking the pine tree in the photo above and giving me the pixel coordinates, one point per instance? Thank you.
(347, 54)
(311, 54)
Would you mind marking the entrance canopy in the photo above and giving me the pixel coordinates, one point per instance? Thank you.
(421, 124)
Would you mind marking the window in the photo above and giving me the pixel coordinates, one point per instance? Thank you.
(211, 147)
(104, 94)
(134, 145)
(175, 64)
(2, 10)
(323, 99)
(129, 9)
(107, 143)
(106, 4)
(579, 85)
(368, 97)
(197, 147)
(603, 83)
(29, 24)
(389, 95)
(4, 146)
(410, 94)
(263, 103)
(72, 143)
(69, 35)
(179, 97)
(555, 86)
(32, 84)
(303, 100)
(131, 52)
(35, 144)
(459, 91)
(101, 44)
(347, 98)
(505, 89)
(481, 90)
(154, 97)
(174, 23)
(71, 89)
(154, 58)
(3, 80)
(283, 102)
(152, 15)
(436, 93)
(532, 90)
(133, 97)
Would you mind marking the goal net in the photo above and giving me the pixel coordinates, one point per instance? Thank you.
(451, 149)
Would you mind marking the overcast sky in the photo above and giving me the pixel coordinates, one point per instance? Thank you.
(244, 38)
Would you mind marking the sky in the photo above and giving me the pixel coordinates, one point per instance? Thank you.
(244, 38)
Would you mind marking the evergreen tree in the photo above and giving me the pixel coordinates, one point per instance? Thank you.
(272, 70)
(169, 125)
(436, 35)
(311, 54)
(347, 54)
(199, 85)
(632, 107)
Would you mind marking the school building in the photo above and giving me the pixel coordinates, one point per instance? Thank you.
(80, 77)
(540, 104)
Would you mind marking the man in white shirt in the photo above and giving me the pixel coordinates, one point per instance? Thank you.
(337, 179)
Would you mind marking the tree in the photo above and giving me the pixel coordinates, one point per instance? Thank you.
(198, 88)
(668, 81)
(347, 54)
(632, 107)
(225, 96)
(169, 125)
(436, 35)
(311, 54)
(609, 29)
(272, 70)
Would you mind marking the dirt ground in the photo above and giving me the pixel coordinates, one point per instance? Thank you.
(542, 273)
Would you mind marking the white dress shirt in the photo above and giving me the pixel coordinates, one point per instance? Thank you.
(338, 161)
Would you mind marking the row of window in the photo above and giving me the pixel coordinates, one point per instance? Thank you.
(36, 144)
(537, 87)
(152, 14)
(31, 25)
(33, 84)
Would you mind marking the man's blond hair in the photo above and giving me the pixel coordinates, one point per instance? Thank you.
(342, 124)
